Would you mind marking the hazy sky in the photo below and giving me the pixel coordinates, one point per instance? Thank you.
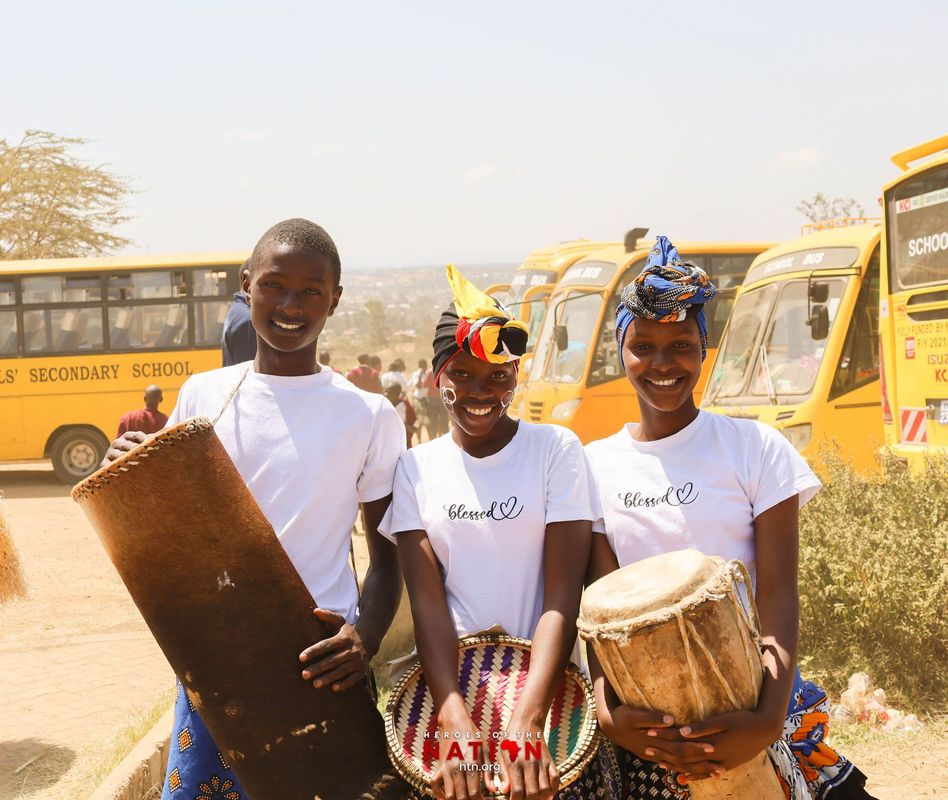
(426, 132)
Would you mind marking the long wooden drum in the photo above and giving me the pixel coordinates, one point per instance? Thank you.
(673, 636)
(232, 615)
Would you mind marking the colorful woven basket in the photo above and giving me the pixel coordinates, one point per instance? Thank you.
(492, 671)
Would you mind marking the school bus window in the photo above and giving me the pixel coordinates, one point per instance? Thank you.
(917, 215)
(211, 282)
(859, 361)
(151, 285)
(790, 358)
(62, 330)
(579, 315)
(7, 293)
(209, 322)
(605, 363)
(727, 273)
(8, 338)
(148, 327)
(61, 289)
(740, 347)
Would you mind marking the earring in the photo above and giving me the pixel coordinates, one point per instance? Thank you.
(448, 397)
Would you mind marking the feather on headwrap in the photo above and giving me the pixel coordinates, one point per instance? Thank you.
(664, 291)
(477, 324)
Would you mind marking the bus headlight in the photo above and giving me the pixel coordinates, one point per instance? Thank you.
(799, 435)
(565, 409)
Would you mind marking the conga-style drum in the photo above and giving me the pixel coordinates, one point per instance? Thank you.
(674, 635)
(231, 614)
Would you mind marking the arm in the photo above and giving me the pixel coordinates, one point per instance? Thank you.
(437, 642)
(342, 660)
(565, 556)
(382, 589)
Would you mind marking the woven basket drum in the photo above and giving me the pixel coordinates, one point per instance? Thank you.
(673, 636)
(231, 614)
(492, 671)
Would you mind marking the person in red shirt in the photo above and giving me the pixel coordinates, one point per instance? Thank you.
(148, 419)
(364, 376)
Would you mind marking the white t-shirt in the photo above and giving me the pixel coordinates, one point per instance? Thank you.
(391, 378)
(310, 449)
(701, 487)
(486, 519)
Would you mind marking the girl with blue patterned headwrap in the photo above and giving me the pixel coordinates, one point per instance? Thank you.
(664, 291)
(728, 487)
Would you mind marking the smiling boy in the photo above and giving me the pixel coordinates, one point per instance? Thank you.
(311, 448)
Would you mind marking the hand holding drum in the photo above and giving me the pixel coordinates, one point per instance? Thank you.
(673, 637)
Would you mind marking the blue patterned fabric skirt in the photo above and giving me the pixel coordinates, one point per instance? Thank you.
(196, 768)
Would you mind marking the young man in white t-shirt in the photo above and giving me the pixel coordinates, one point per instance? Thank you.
(312, 448)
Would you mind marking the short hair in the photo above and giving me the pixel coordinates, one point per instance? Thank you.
(373, 360)
(422, 364)
(324, 357)
(300, 234)
(363, 358)
(393, 367)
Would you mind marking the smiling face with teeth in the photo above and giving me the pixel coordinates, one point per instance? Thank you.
(482, 393)
(292, 293)
(663, 364)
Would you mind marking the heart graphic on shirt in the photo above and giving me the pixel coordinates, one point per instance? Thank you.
(509, 510)
(686, 494)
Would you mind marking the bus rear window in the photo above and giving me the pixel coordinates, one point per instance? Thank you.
(8, 340)
(148, 327)
(61, 289)
(62, 330)
(917, 217)
(147, 285)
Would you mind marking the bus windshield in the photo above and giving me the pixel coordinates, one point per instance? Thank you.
(579, 314)
(917, 213)
(769, 351)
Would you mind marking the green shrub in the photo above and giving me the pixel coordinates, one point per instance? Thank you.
(874, 581)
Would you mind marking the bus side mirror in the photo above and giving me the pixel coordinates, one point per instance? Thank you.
(819, 322)
(819, 292)
(561, 337)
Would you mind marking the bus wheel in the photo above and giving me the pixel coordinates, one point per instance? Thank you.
(77, 453)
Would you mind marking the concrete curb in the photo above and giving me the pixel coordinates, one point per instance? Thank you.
(139, 775)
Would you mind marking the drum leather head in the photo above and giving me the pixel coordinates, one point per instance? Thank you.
(646, 586)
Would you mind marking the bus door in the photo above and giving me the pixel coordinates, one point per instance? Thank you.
(917, 251)
(854, 397)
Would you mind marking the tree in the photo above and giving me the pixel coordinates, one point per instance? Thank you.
(375, 322)
(52, 204)
(821, 208)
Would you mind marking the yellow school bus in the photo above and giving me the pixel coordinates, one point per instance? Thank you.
(81, 338)
(574, 377)
(914, 306)
(801, 348)
(533, 282)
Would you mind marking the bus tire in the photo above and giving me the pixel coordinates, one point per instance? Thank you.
(76, 453)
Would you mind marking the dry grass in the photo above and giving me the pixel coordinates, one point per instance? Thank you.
(12, 582)
(874, 582)
(77, 775)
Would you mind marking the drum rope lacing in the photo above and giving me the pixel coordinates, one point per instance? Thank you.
(716, 589)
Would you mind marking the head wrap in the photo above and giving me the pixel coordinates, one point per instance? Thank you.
(477, 324)
(664, 291)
